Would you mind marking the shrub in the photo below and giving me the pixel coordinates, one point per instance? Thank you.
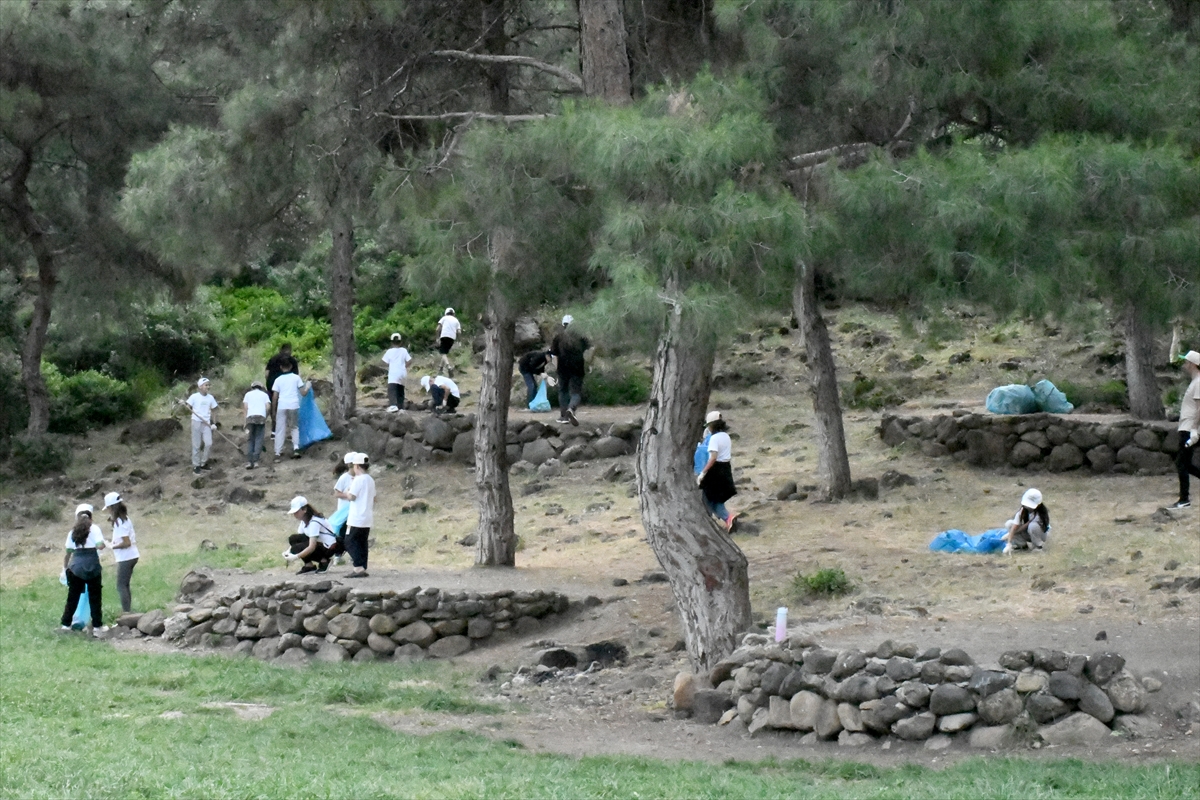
(864, 392)
(617, 384)
(1108, 393)
(416, 322)
(827, 582)
(39, 454)
(88, 399)
(49, 509)
(178, 340)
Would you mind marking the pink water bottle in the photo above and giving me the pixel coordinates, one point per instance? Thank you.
(781, 624)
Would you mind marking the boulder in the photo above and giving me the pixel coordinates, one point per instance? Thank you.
(537, 451)
(1102, 666)
(1077, 729)
(950, 699)
(773, 677)
(480, 627)
(956, 657)
(463, 448)
(708, 705)
(408, 652)
(562, 658)
(1000, 708)
(779, 714)
(152, 623)
(1101, 458)
(266, 649)
(915, 728)
(1137, 726)
(551, 468)
(1023, 454)
(828, 724)
(1045, 708)
(193, 585)
(317, 624)
(349, 626)
(450, 646)
(854, 739)
(1064, 457)
(438, 434)
(1029, 682)
(294, 657)
(793, 683)
(805, 707)
(913, 694)
(953, 723)
(383, 624)
(858, 689)
(985, 737)
(758, 721)
(848, 663)
(1050, 660)
(381, 644)
(175, 626)
(1144, 461)
(610, 447)
(683, 694)
(1065, 686)
(850, 717)
(933, 672)
(1016, 659)
(331, 653)
(902, 669)
(526, 334)
(985, 449)
(819, 661)
(879, 715)
(1094, 701)
(418, 633)
(1126, 694)
(987, 682)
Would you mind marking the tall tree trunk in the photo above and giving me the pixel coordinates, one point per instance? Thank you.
(833, 464)
(39, 322)
(707, 570)
(603, 57)
(1145, 402)
(341, 311)
(495, 42)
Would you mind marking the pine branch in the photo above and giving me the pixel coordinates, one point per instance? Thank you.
(574, 80)
(465, 116)
(841, 152)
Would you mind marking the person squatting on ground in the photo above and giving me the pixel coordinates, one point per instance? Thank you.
(286, 390)
(568, 349)
(397, 359)
(275, 365)
(362, 513)
(716, 478)
(448, 328)
(442, 390)
(529, 365)
(1030, 528)
(257, 405)
(1189, 429)
(204, 421)
(124, 546)
(313, 542)
(81, 567)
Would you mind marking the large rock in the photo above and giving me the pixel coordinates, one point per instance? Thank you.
(450, 646)
(773, 677)
(1144, 461)
(828, 724)
(266, 649)
(985, 449)
(418, 633)
(1023, 454)
(175, 626)
(610, 447)
(805, 707)
(381, 644)
(1137, 726)
(858, 689)
(1101, 458)
(383, 624)
(987, 682)
(1064, 457)
(915, 728)
(1126, 694)
(331, 653)
(244, 495)
(913, 694)
(1094, 701)
(902, 669)
(708, 705)
(149, 431)
(1045, 708)
(480, 627)
(879, 715)
(848, 663)
(438, 434)
(193, 585)
(1050, 660)
(991, 737)
(1102, 666)
(850, 717)
(350, 626)
(152, 623)
(819, 661)
(683, 694)
(957, 657)
(950, 699)
(1077, 729)
(365, 439)
(779, 713)
(1000, 708)
(1065, 686)
(537, 451)
(463, 448)
(953, 723)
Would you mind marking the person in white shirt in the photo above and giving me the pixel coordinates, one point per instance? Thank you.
(342, 485)
(397, 359)
(362, 513)
(447, 332)
(257, 407)
(81, 568)
(286, 391)
(716, 478)
(204, 420)
(442, 389)
(1189, 429)
(313, 542)
(1029, 529)
(124, 546)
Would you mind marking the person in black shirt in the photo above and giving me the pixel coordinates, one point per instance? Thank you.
(275, 368)
(530, 364)
(568, 348)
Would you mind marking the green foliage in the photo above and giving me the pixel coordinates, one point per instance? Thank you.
(825, 582)
(14, 413)
(1108, 393)
(88, 399)
(48, 508)
(178, 340)
(616, 383)
(872, 393)
(413, 320)
(36, 455)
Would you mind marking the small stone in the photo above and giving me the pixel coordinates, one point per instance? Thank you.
(991, 737)
(938, 742)
(853, 739)
(953, 723)
(1171, 564)
(958, 674)
(1102, 636)
(956, 658)
(1029, 682)
(729, 716)
(1077, 729)
(915, 728)
(1151, 684)
(1094, 701)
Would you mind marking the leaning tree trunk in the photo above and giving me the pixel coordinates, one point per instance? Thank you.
(1145, 402)
(497, 545)
(707, 570)
(341, 312)
(833, 464)
(36, 393)
(602, 54)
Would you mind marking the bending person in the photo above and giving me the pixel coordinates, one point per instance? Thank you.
(313, 542)
(1030, 528)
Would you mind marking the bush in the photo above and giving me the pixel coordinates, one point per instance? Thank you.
(49, 509)
(1108, 393)
(177, 340)
(864, 392)
(416, 322)
(617, 384)
(40, 454)
(87, 400)
(827, 582)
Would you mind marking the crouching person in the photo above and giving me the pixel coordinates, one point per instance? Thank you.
(313, 542)
(1030, 528)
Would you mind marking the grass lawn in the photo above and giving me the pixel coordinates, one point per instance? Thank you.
(79, 719)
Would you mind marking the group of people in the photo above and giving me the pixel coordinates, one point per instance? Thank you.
(320, 540)
(567, 354)
(81, 561)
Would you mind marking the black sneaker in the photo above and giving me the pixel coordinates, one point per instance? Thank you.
(571, 418)
(295, 454)
(307, 568)
(323, 566)
(195, 470)
(205, 467)
(1181, 504)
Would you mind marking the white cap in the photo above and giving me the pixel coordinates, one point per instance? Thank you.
(396, 337)
(568, 319)
(298, 502)
(1191, 356)
(203, 382)
(1032, 498)
(425, 382)
(712, 417)
(84, 508)
(357, 458)
(449, 311)
(346, 458)
(111, 499)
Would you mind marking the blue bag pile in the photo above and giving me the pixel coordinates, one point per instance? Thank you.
(312, 424)
(1017, 398)
(956, 541)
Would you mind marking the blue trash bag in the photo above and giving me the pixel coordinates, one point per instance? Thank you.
(540, 401)
(700, 458)
(956, 541)
(1016, 398)
(312, 424)
(1050, 398)
(338, 519)
(83, 612)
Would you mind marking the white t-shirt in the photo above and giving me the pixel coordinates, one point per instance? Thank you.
(1189, 407)
(121, 529)
(314, 530)
(450, 327)
(447, 384)
(721, 444)
(343, 485)
(362, 507)
(95, 537)
(288, 386)
(257, 403)
(202, 405)
(397, 359)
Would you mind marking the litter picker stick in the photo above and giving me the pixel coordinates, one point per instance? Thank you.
(209, 424)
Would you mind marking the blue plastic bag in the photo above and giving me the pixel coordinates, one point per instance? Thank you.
(83, 612)
(1049, 398)
(700, 458)
(1016, 398)
(956, 541)
(338, 518)
(540, 401)
(312, 424)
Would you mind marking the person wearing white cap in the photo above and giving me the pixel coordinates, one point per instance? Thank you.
(257, 407)
(204, 420)
(569, 348)
(447, 332)
(362, 513)
(1030, 528)
(397, 359)
(81, 568)
(124, 546)
(716, 478)
(340, 487)
(313, 542)
(442, 390)
(286, 392)
(1189, 429)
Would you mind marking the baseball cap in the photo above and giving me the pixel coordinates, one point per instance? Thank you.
(425, 382)
(357, 458)
(568, 319)
(203, 382)
(111, 499)
(346, 458)
(449, 311)
(1192, 356)
(256, 384)
(396, 337)
(298, 502)
(84, 508)
(712, 417)
(1032, 498)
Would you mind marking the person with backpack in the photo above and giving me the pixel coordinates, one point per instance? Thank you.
(397, 358)
(81, 568)
(256, 405)
(362, 513)
(124, 546)
(314, 542)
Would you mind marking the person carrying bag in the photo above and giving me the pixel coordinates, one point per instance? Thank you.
(81, 568)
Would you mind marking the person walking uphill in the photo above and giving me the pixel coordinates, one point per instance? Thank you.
(568, 349)
(1189, 429)
(257, 406)
(81, 565)
(204, 421)
(716, 478)
(448, 328)
(286, 391)
(275, 365)
(362, 513)
(397, 359)
(124, 546)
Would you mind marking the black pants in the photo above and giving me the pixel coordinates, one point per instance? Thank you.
(124, 573)
(298, 543)
(439, 394)
(570, 392)
(396, 395)
(356, 545)
(1185, 465)
(75, 587)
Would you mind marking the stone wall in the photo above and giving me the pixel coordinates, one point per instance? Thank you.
(297, 621)
(899, 690)
(1051, 442)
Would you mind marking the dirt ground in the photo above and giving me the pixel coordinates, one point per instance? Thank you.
(1109, 547)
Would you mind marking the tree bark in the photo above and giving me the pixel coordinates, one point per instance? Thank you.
(707, 570)
(603, 57)
(833, 464)
(497, 546)
(36, 394)
(1145, 401)
(495, 42)
(341, 311)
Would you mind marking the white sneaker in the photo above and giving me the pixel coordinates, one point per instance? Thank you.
(339, 560)
(393, 409)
